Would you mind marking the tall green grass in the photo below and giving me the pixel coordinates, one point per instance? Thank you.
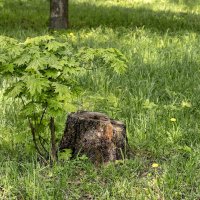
(161, 41)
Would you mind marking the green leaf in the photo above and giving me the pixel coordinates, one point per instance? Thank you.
(54, 104)
(22, 60)
(51, 73)
(119, 67)
(8, 68)
(53, 62)
(36, 85)
(38, 40)
(54, 45)
(7, 41)
(86, 55)
(33, 51)
(14, 91)
(67, 72)
(55, 107)
(36, 65)
(66, 154)
(63, 91)
(69, 106)
(15, 51)
(28, 109)
(3, 58)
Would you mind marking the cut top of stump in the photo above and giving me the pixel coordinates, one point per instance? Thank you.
(94, 134)
(90, 116)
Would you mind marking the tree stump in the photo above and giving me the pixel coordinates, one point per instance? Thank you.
(91, 133)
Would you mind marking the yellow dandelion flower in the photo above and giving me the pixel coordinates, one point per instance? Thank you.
(186, 104)
(173, 119)
(155, 165)
(71, 34)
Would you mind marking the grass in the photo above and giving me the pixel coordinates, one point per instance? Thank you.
(161, 41)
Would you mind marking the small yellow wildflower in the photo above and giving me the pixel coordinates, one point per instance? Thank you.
(186, 104)
(173, 119)
(155, 165)
(71, 34)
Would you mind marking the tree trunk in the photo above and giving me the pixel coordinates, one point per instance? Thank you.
(58, 14)
(101, 139)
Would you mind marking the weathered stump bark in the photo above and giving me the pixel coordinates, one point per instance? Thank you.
(95, 135)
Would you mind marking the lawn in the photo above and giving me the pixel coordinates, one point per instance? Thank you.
(158, 98)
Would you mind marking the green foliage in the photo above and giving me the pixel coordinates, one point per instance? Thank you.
(44, 73)
(44, 70)
(66, 154)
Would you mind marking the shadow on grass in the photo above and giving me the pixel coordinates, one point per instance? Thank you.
(23, 18)
(32, 17)
(189, 3)
(86, 15)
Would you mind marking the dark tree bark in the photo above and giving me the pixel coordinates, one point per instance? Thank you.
(95, 135)
(58, 14)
